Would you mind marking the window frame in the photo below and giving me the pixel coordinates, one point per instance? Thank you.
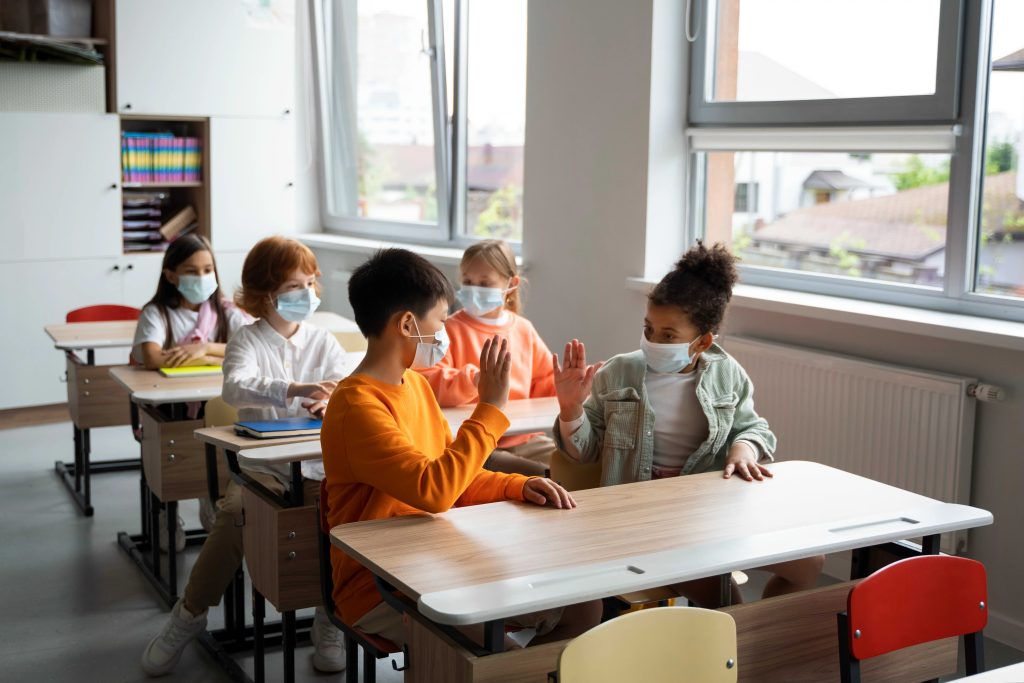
(957, 295)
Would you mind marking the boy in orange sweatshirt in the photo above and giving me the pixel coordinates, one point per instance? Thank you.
(388, 450)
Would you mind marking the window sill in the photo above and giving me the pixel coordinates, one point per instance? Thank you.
(1001, 334)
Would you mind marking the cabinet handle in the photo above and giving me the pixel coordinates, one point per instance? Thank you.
(86, 380)
(86, 393)
(291, 534)
(287, 111)
(290, 184)
(171, 457)
(116, 268)
(113, 186)
(127, 105)
(291, 555)
(130, 267)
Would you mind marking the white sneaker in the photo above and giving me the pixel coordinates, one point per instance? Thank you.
(163, 652)
(179, 533)
(329, 655)
(207, 513)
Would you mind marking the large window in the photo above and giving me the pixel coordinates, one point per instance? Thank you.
(423, 117)
(863, 148)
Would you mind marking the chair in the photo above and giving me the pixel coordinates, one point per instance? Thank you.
(102, 313)
(914, 601)
(373, 647)
(654, 645)
(573, 475)
(219, 414)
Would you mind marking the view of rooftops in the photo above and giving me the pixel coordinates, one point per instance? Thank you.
(879, 216)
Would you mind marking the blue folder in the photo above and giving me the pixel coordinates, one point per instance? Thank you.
(285, 427)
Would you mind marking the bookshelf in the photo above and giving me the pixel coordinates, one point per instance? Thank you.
(175, 194)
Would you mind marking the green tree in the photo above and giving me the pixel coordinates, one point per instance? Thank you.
(1000, 157)
(916, 174)
(502, 219)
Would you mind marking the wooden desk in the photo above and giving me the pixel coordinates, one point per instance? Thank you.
(486, 563)
(94, 400)
(281, 554)
(149, 387)
(1007, 674)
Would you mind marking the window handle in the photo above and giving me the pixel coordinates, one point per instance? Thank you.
(424, 49)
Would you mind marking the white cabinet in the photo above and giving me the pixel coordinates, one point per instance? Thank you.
(229, 268)
(37, 294)
(59, 186)
(139, 276)
(252, 180)
(205, 57)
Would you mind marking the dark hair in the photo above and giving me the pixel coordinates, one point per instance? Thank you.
(392, 281)
(700, 284)
(168, 296)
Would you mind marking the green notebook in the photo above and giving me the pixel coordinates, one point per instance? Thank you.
(191, 371)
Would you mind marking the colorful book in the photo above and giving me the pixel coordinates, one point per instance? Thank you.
(191, 371)
(279, 429)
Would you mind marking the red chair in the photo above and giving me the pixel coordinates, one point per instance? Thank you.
(102, 313)
(373, 647)
(913, 601)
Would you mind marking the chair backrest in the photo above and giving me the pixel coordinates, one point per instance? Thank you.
(351, 341)
(572, 475)
(219, 414)
(653, 645)
(916, 600)
(102, 313)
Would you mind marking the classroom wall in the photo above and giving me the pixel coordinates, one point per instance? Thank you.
(595, 135)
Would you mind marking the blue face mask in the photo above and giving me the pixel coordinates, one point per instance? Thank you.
(429, 354)
(479, 301)
(297, 305)
(666, 358)
(197, 288)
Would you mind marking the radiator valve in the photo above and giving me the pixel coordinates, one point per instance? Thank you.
(986, 392)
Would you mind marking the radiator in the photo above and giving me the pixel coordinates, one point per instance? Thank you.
(900, 426)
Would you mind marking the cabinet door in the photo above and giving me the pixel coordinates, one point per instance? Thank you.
(38, 294)
(139, 276)
(59, 195)
(205, 57)
(229, 268)
(252, 176)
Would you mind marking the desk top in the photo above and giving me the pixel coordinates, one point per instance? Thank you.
(79, 336)
(150, 387)
(483, 562)
(225, 437)
(1007, 674)
(526, 417)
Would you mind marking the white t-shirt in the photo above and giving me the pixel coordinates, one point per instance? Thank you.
(259, 364)
(680, 425)
(152, 328)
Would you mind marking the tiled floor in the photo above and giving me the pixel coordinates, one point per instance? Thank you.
(74, 607)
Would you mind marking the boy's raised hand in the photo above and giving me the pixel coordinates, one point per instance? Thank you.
(495, 366)
(573, 379)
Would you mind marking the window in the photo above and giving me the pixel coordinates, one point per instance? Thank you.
(423, 117)
(1000, 263)
(863, 167)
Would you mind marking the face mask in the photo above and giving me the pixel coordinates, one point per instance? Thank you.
(297, 305)
(666, 358)
(429, 354)
(197, 288)
(479, 301)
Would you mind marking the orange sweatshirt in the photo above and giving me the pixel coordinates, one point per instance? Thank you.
(453, 378)
(388, 451)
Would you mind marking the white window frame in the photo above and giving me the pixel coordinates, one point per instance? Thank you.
(449, 136)
(921, 127)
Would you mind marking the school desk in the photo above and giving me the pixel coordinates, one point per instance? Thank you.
(487, 563)
(94, 400)
(1007, 674)
(280, 553)
(173, 464)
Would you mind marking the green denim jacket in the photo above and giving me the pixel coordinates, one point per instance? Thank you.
(619, 428)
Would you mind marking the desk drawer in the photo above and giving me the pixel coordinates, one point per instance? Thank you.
(173, 460)
(281, 552)
(94, 398)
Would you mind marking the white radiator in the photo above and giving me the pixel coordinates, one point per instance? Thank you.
(905, 427)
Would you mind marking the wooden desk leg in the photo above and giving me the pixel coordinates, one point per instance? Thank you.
(172, 548)
(258, 613)
(494, 635)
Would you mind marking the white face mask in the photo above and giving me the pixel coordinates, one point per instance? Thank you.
(480, 301)
(429, 354)
(297, 305)
(666, 358)
(197, 288)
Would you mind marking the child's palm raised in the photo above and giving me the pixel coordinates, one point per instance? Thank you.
(573, 379)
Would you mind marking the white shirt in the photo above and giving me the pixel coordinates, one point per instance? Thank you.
(259, 364)
(152, 328)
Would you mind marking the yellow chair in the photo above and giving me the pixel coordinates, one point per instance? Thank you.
(676, 644)
(219, 414)
(572, 475)
(351, 341)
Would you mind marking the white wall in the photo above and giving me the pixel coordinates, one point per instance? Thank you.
(589, 151)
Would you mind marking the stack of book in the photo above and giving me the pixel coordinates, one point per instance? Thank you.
(155, 158)
(142, 215)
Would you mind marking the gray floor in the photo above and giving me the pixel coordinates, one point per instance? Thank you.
(75, 607)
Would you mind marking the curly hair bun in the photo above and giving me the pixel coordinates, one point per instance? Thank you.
(715, 266)
(700, 285)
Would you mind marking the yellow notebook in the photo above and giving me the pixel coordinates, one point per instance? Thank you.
(191, 371)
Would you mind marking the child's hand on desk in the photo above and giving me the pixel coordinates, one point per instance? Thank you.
(541, 491)
(573, 379)
(742, 460)
(187, 354)
(316, 408)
